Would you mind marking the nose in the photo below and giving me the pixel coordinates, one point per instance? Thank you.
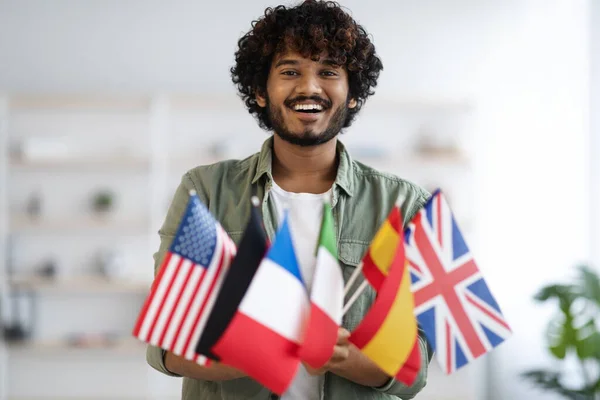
(308, 85)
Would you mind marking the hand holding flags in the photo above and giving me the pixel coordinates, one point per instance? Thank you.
(210, 303)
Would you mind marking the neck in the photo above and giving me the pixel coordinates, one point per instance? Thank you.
(304, 169)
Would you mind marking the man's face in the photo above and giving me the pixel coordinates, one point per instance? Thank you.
(307, 101)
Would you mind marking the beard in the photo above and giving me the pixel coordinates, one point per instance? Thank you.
(309, 137)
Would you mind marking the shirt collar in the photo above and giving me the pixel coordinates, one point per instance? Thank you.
(345, 173)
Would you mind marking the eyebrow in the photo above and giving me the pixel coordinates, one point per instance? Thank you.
(288, 61)
(330, 63)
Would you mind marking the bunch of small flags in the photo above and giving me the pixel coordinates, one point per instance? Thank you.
(214, 301)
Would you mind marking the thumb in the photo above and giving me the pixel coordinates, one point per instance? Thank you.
(343, 336)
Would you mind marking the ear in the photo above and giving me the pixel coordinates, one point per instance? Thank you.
(352, 103)
(260, 100)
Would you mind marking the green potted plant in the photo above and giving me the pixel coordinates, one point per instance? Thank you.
(102, 201)
(573, 331)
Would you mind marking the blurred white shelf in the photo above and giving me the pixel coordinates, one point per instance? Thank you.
(31, 224)
(125, 345)
(221, 101)
(415, 162)
(78, 165)
(416, 102)
(86, 285)
(79, 102)
(92, 398)
(177, 164)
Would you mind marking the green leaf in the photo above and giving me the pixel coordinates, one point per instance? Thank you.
(589, 284)
(554, 292)
(561, 335)
(589, 346)
(550, 381)
(573, 329)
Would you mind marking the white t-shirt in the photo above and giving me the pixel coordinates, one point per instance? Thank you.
(305, 211)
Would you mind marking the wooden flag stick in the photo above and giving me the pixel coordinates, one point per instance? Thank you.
(355, 296)
(353, 278)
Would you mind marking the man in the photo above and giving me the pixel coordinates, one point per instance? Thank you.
(304, 73)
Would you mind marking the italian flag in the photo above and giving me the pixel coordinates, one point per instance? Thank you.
(326, 297)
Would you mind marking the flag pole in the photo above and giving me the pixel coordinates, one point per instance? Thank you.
(353, 278)
(355, 296)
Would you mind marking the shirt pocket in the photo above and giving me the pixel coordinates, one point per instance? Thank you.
(236, 236)
(350, 254)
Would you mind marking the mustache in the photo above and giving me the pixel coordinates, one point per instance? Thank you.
(324, 103)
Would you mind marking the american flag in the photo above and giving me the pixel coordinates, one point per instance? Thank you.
(184, 291)
(453, 303)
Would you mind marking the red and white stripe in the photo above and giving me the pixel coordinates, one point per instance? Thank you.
(181, 300)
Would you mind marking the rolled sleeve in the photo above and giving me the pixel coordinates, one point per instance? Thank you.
(399, 389)
(155, 356)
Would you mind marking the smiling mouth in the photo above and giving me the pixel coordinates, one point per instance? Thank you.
(304, 105)
(308, 108)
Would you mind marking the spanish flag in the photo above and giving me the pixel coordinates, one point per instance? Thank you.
(388, 334)
(383, 248)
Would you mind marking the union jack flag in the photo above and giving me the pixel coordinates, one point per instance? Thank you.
(185, 289)
(453, 303)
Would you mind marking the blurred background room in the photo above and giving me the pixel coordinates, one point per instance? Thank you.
(104, 105)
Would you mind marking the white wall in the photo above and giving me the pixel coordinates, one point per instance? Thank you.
(534, 192)
(525, 65)
(595, 135)
(69, 45)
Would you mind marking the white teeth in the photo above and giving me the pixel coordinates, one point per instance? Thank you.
(317, 107)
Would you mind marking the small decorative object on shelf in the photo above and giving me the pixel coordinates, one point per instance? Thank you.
(435, 144)
(12, 327)
(34, 205)
(41, 149)
(92, 340)
(110, 264)
(48, 269)
(103, 201)
(15, 332)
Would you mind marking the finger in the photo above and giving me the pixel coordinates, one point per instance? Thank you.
(310, 370)
(340, 353)
(343, 336)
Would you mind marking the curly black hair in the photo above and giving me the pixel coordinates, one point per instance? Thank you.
(310, 29)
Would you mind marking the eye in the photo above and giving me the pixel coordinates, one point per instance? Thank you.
(329, 73)
(289, 73)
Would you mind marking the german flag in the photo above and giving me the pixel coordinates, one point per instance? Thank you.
(388, 334)
(383, 248)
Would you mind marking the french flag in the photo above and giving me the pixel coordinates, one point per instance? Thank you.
(265, 334)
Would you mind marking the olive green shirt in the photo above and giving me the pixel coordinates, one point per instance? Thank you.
(362, 198)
